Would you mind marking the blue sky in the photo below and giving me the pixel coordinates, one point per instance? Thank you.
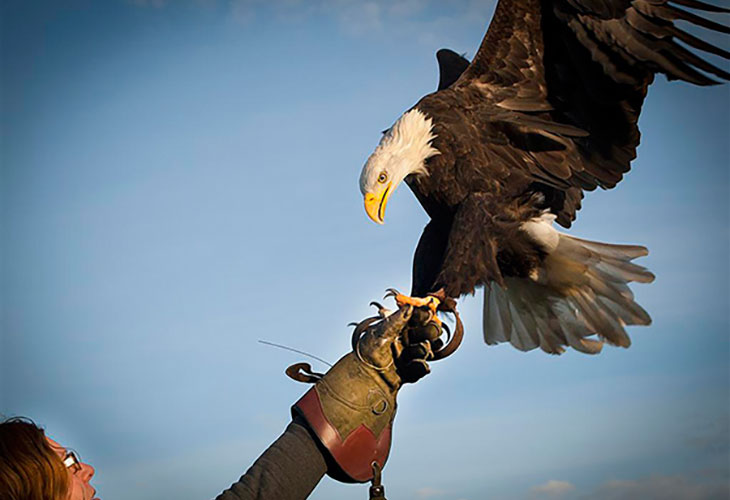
(179, 179)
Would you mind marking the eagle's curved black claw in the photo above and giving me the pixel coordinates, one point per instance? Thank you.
(382, 311)
(453, 339)
(391, 292)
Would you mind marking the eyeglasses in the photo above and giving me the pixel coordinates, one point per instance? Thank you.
(72, 462)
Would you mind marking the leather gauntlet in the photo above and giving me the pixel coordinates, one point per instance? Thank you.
(351, 408)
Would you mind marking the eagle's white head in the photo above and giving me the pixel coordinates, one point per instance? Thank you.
(403, 150)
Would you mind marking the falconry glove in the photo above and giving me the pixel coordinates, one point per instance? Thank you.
(351, 408)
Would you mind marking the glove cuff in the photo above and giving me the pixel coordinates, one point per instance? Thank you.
(355, 426)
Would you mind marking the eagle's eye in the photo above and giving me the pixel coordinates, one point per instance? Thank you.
(382, 177)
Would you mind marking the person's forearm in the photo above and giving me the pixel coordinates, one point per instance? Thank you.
(288, 470)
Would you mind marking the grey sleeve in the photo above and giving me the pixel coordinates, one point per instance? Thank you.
(288, 470)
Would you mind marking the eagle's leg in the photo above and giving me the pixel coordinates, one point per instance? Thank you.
(436, 301)
(431, 302)
(445, 303)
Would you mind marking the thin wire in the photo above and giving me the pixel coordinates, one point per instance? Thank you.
(294, 350)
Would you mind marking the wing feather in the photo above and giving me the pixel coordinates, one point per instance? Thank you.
(564, 81)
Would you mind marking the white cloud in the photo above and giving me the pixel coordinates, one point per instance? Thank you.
(401, 17)
(406, 8)
(552, 488)
(354, 17)
(428, 492)
(712, 487)
(398, 19)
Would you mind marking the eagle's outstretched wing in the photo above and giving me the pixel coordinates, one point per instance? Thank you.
(548, 108)
(565, 80)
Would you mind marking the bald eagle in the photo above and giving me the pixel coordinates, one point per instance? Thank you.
(506, 147)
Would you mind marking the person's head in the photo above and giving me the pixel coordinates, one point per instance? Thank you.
(34, 467)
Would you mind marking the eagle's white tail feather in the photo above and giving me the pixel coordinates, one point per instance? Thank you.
(581, 290)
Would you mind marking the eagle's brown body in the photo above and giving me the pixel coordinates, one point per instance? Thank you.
(547, 109)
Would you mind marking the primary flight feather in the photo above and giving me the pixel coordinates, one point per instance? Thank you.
(547, 109)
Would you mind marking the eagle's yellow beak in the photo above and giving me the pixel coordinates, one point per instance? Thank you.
(375, 204)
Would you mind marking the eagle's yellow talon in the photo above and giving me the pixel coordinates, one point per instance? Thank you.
(431, 302)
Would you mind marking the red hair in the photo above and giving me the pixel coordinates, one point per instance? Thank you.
(29, 468)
